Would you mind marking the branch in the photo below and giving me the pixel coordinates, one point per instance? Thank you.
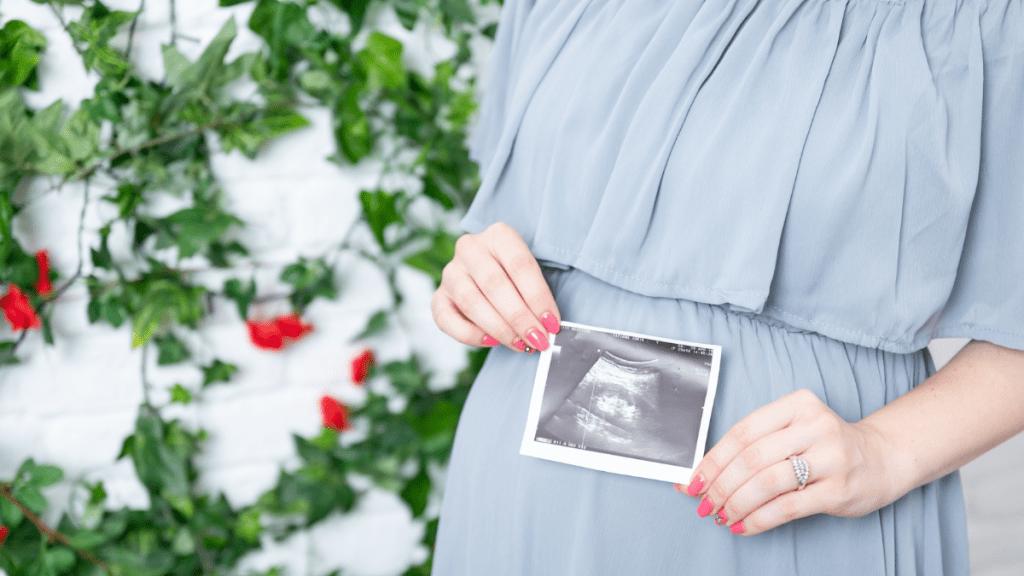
(51, 534)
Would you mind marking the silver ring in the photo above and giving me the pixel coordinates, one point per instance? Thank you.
(801, 470)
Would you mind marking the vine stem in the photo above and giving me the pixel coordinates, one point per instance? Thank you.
(51, 534)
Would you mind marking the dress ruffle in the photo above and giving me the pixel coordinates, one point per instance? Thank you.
(848, 167)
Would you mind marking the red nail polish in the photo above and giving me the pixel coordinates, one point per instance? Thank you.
(539, 342)
(550, 322)
(705, 507)
(519, 345)
(737, 528)
(694, 488)
(723, 516)
(489, 340)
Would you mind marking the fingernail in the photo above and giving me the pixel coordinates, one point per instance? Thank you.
(737, 528)
(705, 507)
(550, 322)
(722, 515)
(694, 488)
(678, 487)
(519, 345)
(489, 340)
(538, 341)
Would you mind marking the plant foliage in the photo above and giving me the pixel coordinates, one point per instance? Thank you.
(136, 140)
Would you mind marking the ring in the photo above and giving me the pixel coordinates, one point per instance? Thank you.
(801, 470)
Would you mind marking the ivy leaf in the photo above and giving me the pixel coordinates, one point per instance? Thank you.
(416, 492)
(377, 324)
(7, 349)
(458, 11)
(351, 128)
(196, 227)
(433, 260)
(242, 294)
(44, 475)
(310, 279)
(31, 497)
(9, 513)
(382, 60)
(162, 469)
(407, 12)
(180, 394)
(356, 10)
(170, 350)
(380, 209)
(218, 372)
(20, 45)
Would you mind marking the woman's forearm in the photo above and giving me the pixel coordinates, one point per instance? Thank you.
(971, 405)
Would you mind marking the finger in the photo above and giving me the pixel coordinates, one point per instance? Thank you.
(519, 263)
(765, 486)
(494, 284)
(785, 508)
(451, 321)
(755, 462)
(758, 424)
(476, 308)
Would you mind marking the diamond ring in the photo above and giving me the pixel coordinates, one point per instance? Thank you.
(801, 470)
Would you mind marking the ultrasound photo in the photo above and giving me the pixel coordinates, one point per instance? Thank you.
(622, 402)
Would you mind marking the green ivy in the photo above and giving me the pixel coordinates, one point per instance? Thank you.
(151, 138)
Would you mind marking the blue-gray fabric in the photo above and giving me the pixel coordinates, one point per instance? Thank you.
(820, 186)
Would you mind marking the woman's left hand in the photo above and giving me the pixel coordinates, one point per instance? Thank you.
(749, 483)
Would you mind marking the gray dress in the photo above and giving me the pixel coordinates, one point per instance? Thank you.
(818, 186)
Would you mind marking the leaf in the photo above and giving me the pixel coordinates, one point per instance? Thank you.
(242, 294)
(458, 11)
(180, 394)
(351, 128)
(9, 513)
(44, 475)
(380, 209)
(433, 260)
(218, 372)
(170, 350)
(20, 45)
(310, 279)
(31, 498)
(416, 492)
(382, 60)
(377, 324)
(356, 10)
(407, 12)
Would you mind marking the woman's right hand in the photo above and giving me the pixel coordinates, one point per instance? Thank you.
(493, 292)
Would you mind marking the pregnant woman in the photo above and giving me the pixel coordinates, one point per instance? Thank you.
(820, 187)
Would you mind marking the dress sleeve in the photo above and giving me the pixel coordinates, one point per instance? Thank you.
(499, 82)
(987, 300)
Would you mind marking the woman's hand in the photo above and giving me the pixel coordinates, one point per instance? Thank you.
(749, 483)
(494, 292)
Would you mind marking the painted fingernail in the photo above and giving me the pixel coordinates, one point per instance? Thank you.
(489, 340)
(550, 322)
(694, 488)
(519, 345)
(737, 528)
(705, 507)
(539, 342)
(678, 487)
(722, 516)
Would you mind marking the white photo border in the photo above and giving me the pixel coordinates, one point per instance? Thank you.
(611, 462)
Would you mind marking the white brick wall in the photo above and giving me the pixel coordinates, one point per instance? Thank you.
(73, 403)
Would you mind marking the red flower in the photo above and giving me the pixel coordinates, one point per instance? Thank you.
(334, 413)
(266, 335)
(4, 531)
(361, 364)
(43, 285)
(18, 310)
(292, 326)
